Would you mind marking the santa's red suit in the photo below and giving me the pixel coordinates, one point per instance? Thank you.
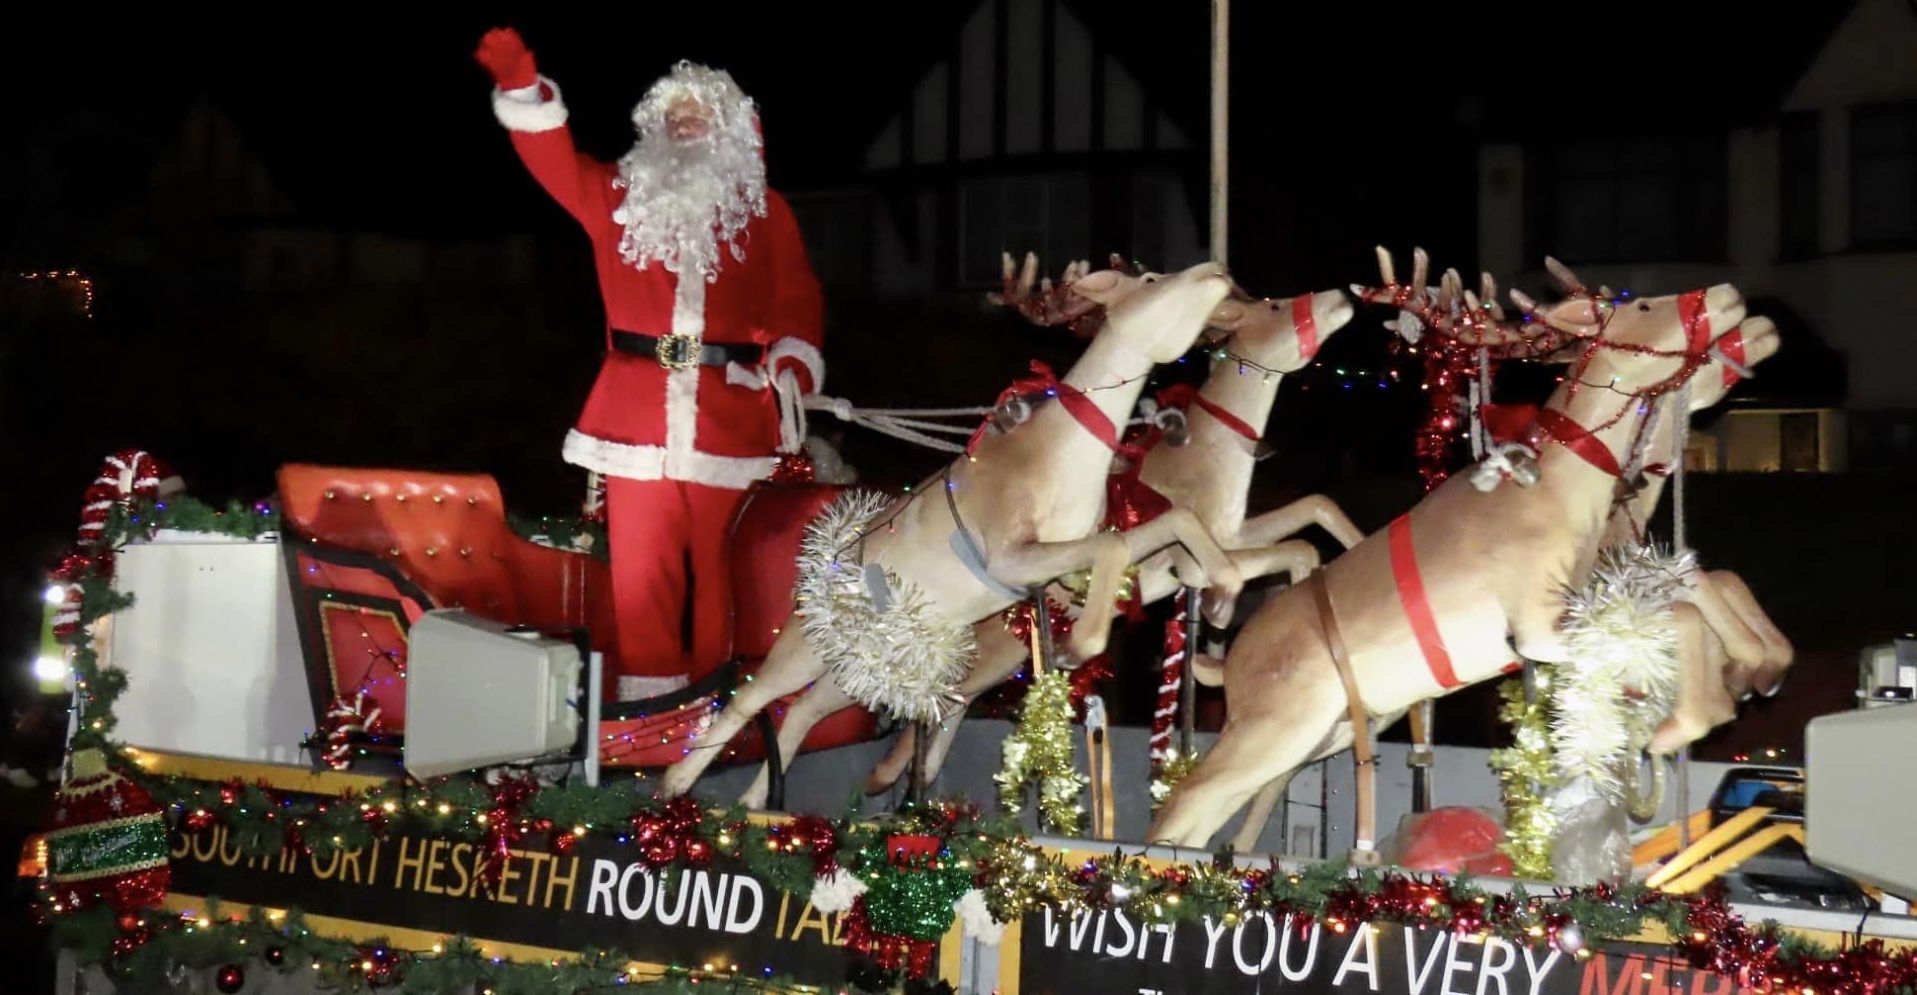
(686, 412)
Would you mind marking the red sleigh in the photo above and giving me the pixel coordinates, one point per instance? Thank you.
(368, 551)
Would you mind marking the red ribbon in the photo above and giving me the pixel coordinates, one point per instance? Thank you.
(1696, 319)
(1044, 381)
(1417, 608)
(1577, 439)
(1307, 325)
(1507, 422)
(1732, 347)
(1183, 396)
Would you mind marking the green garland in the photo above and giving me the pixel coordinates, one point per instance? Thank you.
(209, 939)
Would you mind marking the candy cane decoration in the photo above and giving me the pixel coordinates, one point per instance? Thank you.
(344, 720)
(127, 474)
(124, 476)
(1171, 675)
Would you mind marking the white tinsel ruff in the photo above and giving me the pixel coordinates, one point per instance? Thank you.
(835, 892)
(889, 650)
(976, 917)
(1621, 680)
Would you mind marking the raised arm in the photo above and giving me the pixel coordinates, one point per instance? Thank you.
(530, 107)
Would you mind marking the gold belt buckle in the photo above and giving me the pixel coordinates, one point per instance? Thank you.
(679, 352)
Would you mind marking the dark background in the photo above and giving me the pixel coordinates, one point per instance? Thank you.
(1354, 124)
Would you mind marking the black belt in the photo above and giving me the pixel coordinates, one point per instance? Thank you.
(675, 350)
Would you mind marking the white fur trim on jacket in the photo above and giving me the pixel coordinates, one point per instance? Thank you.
(528, 109)
(619, 459)
(805, 353)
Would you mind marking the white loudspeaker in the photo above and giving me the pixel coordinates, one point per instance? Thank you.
(1860, 795)
(480, 693)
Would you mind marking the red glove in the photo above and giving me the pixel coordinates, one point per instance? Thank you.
(505, 55)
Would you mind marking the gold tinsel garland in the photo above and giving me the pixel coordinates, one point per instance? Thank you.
(1168, 774)
(1040, 749)
(1526, 773)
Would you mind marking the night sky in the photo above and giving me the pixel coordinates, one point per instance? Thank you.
(1354, 124)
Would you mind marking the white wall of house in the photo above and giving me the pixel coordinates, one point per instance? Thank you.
(1853, 291)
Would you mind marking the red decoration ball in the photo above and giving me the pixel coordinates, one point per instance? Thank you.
(275, 956)
(230, 979)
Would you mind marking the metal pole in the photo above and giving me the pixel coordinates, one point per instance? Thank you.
(1220, 126)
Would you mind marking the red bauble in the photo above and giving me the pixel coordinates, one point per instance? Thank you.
(1447, 840)
(230, 979)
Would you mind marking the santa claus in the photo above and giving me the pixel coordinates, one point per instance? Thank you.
(714, 323)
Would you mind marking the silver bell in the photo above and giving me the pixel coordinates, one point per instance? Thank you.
(1011, 413)
(1171, 422)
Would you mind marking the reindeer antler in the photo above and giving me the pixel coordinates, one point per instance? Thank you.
(1470, 318)
(1044, 303)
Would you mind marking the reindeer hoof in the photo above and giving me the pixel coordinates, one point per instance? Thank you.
(1219, 608)
(1771, 692)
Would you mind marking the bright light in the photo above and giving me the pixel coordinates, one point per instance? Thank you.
(50, 668)
(56, 594)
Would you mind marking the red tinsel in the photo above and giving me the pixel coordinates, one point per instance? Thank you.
(502, 826)
(891, 952)
(1448, 367)
(794, 468)
(669, 835)
(816, 835)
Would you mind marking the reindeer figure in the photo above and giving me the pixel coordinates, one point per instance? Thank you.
(1726, 642)
(1258, 343)
(1437, 600)
(1031, 499)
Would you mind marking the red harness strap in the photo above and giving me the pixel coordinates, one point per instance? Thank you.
(1307, 326)
(1183, 396)
(1417, 608)
(1082, 408)
(1579, 440)
(1732, 346)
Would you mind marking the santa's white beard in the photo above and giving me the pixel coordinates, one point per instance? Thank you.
(686, 200)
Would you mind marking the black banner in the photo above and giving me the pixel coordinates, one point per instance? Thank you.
(1109, 953)
(598, 895)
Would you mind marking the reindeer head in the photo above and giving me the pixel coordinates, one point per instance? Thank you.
(1266, 332)
(1637, 346)
(1158, 316)
(1644, 346)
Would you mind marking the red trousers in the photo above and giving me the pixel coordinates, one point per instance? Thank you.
(668, 540)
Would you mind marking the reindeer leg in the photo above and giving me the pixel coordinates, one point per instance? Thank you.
(1282, 523)
(1265, 738)
(1108, 554)
(1744, 648)
(1259, 814)
(1296, 558)
(1703, 701)
(998, 656)
(820, 700)
(1778, 652)
(791, 666)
